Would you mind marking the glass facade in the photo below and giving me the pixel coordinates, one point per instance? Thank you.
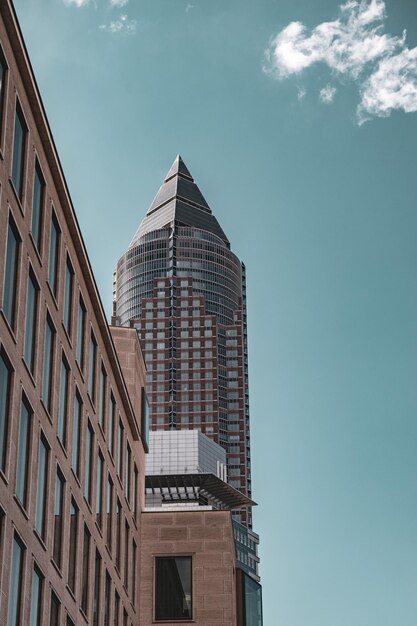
(10, 274)
(173, 588)
(19, 146)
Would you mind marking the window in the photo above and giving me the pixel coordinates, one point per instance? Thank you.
(120, 449)
(173, 588)
(76, 434)
(31, 321)
(19, 145)
(107, 600)
(37, 206)
(128, 472)
(36, 602)
(41, 496)
(81, 333)
(72, 556)
(103, 389)
(86, 570)
(15, 593)
(92, 368)
(89, 450)
(118, 532)
(11, 274)
(5, 389)
(68, 291)
(126, 577)
(23, 451)
(55, 610)
(134, 564)
(109, 511)
(135, 491)
(54, 254)
(99, 491)
(97, 584)
(3, 70)
(112, 421)
(48, 363)
(59, 501)
(63, 402)
(116, 608)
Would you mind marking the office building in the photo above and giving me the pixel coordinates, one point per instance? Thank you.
(183, 289)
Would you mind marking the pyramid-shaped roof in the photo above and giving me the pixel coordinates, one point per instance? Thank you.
(179, 201)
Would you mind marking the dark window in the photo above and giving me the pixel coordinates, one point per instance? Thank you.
(3, 70)
(31, 322)
(19, 145)
(92, 369)
(76, 433)
(112, 422)
(37, 206)
(118, 532)
(81, 333)
(89, 451)
(72, 556)
(109, 511)
(145, 420)
(58, 510)
(54, 254)
(103, 389)
(107, 600)
(41, 496)
(125, 617)
(10, 274)
(128, 471)
(116, 608)
(99, 491)
(55, 610)
(63, 402)
(173, 589)
(126, 579)
(134, 564)
(120, 450)
(70, 622)
(5, 389)
(23, 451)
(135, 491)
(86, 570)
(68, 291)
(48, 363)
(15, 593)
(36, 602)
(97, 585)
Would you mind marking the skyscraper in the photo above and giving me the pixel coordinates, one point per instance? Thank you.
(183, 289)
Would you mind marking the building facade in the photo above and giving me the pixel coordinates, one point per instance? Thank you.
(183, 289)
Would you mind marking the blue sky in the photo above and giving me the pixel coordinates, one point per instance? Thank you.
(298, 121)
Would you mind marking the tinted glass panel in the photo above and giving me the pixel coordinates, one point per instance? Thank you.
(37, 206)
(55, 610)
(10, 274)
(89, 447)
(59, 497)
(31, 315)
(99, 491)
(42, 487)
(97, 583)
(36, 602)
(81, 333)
(109, 511)
(48, 364)
(173, 599)
(76, 451)
(69, 280)
(92, 370)
(19, 142)
(102, 410)
(23, 452)
(3, 69)
(5, 383)
(15, 593)
(54, 255)
(72, 559)
(85, 573)
(63, 402)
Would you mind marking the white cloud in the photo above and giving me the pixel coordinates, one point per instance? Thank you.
(76, 3)
(118, 3)
(352, 46)
(393, 85)
(327, 94)
(189, 7)
(122, 25)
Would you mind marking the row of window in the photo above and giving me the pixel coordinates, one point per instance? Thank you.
(109, 608)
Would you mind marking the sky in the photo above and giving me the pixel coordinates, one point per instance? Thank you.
(298, 120)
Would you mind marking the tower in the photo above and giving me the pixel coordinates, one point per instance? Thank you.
(183, 289)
